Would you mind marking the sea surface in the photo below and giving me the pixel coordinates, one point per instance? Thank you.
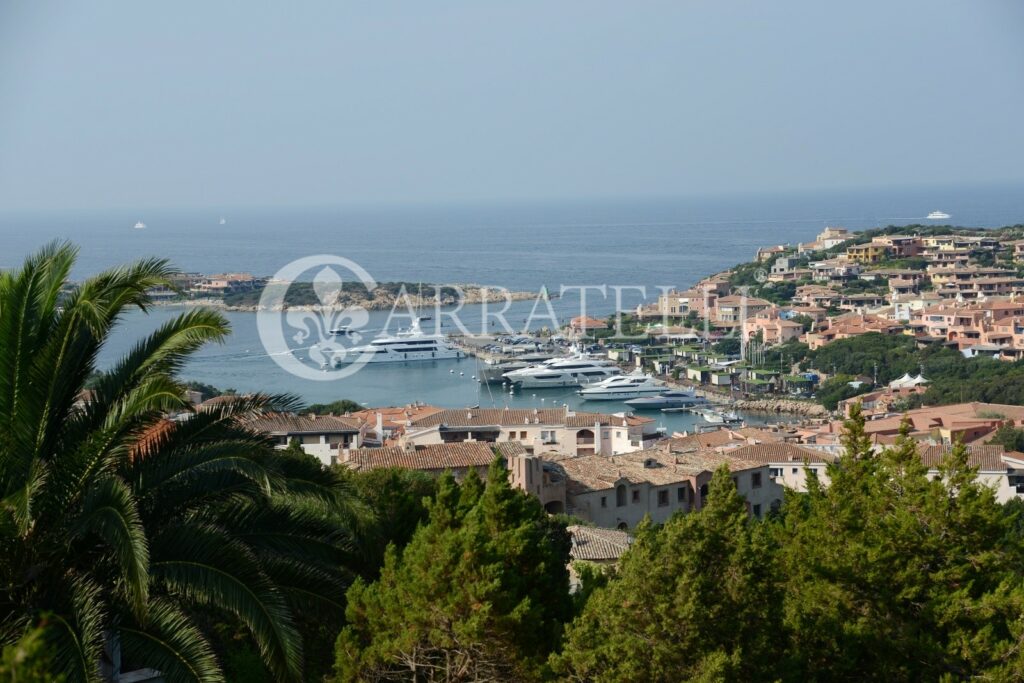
(651, 244)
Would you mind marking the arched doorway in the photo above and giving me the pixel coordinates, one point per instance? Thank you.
(554, 507)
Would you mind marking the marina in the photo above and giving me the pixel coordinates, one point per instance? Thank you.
(240, 363)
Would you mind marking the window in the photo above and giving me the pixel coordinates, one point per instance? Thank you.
(636, 495)
(604, 501)
(774, 472)
(620, 495)
(757, 511)
(662, 498)
(755, 480)
(681, 494)
(795, 470)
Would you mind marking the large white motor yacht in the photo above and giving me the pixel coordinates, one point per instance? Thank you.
(622, 388)
(563, 372)
(409, 345)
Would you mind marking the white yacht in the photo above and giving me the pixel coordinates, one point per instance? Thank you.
(408, 345)
(938, 216)
(622, 388)
(563, 372)
(140, 226)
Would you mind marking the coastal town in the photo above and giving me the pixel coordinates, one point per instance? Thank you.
(532, 342)
(957, 293)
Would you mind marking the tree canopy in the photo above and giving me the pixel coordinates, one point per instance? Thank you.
(480, 592)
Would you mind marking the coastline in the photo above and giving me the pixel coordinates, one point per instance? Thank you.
(472, 295)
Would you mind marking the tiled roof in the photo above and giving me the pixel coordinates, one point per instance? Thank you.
(395, 416)
(601, 472)
(767, 453)
(509, 417)
(702, 440)
(283, 423)
(988, 458)
(591, 543)
(434, 457)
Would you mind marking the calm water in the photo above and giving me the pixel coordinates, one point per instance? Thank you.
(654, 243)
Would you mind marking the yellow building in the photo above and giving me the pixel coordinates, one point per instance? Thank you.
(867, 253)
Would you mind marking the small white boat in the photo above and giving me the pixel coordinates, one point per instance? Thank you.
(140, 226)
(938, 216)
(338, 331)
(714, 417)
(223, 221)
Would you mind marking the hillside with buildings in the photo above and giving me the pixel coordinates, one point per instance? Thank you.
(853, 312)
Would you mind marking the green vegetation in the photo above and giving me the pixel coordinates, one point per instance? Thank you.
(838, 388)
(29, 660)
(1010, 438)
(886, 575)
(196, 548)
(481, 592)
(303, 294)
(118, 527)
(692, 600)
(339, 407)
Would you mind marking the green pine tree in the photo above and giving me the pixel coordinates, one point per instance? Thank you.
(480, 592)
(693, 600)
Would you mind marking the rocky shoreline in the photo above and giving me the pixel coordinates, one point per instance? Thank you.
(781, 405)
(472, 295)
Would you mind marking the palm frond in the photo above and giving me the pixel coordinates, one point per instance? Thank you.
(204, 564)
(75, 635)
(110, 512)
(169, 642)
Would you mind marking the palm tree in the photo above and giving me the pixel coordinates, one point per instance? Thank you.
(120, 528)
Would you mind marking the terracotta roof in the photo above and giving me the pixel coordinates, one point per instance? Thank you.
(592, 543)
(282, 423)
(511, 417)
(589, 323)
(395, 416)
(987, 458)
(702, 440)
(434, 457)
(601, 472)
(778, 452)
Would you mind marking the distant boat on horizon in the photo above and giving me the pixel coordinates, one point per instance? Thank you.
(938, 216)
(223, 221)
(140, 226)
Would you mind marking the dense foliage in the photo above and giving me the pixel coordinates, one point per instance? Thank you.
(303, 293)
(481, 592)
(887, 574)
(339, 407)
(123, 531)
(694, 600)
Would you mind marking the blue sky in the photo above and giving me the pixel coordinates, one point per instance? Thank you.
(123, 104)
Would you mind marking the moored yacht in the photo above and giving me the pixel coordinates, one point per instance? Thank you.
(410, 345)
(563, 372)
(667, 400)
(622, 387)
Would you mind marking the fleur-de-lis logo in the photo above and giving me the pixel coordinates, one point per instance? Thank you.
(317, 341)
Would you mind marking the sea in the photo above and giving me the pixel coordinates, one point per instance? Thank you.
(637, 246)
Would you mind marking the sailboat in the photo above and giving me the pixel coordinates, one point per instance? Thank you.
(223, 221)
